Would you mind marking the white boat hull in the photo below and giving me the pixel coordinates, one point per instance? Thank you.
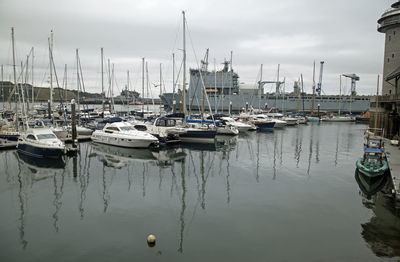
(122, 141)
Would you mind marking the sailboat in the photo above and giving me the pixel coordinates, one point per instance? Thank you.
(195, 132)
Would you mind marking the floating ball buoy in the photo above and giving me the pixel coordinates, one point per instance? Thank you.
(151, 240)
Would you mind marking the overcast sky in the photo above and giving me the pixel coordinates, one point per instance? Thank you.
(270, 32)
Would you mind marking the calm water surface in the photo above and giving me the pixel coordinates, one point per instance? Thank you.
(285, 195)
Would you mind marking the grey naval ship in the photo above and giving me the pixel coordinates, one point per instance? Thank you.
(223, 89)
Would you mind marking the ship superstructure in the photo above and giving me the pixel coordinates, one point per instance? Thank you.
(224, 93)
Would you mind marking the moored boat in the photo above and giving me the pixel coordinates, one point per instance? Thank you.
(123, 134)
(41, 143)
(373, 164)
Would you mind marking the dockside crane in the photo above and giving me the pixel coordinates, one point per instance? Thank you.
(319, 85)
(353, 78)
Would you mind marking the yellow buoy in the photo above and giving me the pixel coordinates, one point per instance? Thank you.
(151, 240)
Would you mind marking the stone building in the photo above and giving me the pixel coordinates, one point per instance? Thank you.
(389, 102)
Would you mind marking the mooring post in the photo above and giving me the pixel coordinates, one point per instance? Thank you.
(318, 111)
(230, 107)
(174, 107)
(73, 123)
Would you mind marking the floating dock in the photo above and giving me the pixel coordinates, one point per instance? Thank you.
(394, 166)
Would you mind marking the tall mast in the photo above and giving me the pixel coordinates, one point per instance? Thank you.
(215, 87)
(127, 90)
(173, 76)
(109, 83)
(112, 88)
(51, 67)
(147, 86)
(142, 84)
(102, 80)
(78, 81)
(259, 86)
(302, 91)
(15, 80)
(65, 81)
(313, 90)
(25, 83)
(340, 93)
(2, 85)
(184, 64)
(160, 83)
(33, 89)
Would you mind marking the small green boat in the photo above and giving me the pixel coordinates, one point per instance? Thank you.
(373, 164)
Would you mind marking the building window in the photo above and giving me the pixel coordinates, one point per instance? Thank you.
(390, 91)
(392, 55)
(394, 32)
(390, 37)
(388, 60)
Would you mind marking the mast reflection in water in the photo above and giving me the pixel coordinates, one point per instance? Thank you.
(254, 196)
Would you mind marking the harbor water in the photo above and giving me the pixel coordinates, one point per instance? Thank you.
(285, 195)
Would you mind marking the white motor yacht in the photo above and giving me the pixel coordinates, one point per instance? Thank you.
(41, 143)
(290, 121)
(241, 126)
(123, 134)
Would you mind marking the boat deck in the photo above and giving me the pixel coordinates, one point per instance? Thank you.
(394, 166)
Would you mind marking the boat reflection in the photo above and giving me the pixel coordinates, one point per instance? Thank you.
(168, 156)
(382, 231)
(118, 157)
(40, 168)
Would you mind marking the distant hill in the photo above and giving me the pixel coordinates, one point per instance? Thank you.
(42, 94)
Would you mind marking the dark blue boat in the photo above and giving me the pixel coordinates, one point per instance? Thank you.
(40, 143)
(262, 125)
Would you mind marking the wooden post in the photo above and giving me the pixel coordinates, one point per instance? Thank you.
(318, 110)
(174, 107)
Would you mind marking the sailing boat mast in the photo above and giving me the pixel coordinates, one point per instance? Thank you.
(160, 83)
(78, 83)
(259, 87)
(340, 93)
(142, 84)
(51, 68)
(313, 91)
(15, 80)
(184, 64)
(173, 77)
(33, 89)
(147, 86)
(102, 80)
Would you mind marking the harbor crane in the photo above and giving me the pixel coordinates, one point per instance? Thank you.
(353, 78)
(319, 85)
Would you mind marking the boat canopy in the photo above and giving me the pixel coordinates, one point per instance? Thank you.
(373, 150)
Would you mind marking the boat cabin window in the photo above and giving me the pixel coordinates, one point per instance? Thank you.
(165, 122)
(31, 137)
(127, 128)
(46, 136)
(112, 128)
